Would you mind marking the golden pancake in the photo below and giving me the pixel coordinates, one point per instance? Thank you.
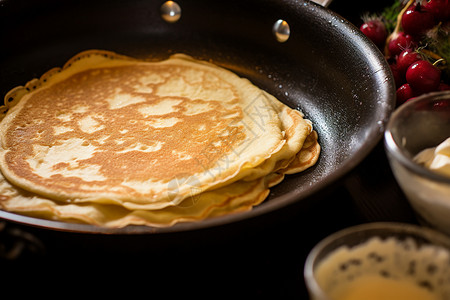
(306, 158)
(133, 141)
(236, 197)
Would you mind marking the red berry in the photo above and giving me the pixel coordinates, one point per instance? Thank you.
(416, 21)
(439, 8)
(376, 31)
(398, 78)
(443, 87)
(399, 42)
(405, 59)
(404, 93)
(443, 107)
(423, 76)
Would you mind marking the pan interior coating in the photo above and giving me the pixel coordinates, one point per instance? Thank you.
(133, 141)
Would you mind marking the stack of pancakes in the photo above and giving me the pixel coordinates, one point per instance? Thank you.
(111, 140)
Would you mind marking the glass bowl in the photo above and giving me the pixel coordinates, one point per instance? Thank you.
(418, 124)
(350, 263)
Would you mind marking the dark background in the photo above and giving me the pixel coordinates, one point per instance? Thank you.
(255, 258)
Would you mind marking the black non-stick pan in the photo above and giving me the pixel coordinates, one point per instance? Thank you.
(318, 63)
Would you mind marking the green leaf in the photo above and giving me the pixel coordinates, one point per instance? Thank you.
(390, 14)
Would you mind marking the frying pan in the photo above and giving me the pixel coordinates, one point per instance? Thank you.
(322, 65)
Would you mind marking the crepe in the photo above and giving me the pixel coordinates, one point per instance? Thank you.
(237, 197)
(132, 141)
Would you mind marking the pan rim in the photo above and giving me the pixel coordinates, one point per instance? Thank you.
(374, 137)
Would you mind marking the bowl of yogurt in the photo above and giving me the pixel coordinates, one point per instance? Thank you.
(417, 143)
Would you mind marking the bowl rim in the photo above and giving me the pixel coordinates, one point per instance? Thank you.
(366, 231)
(392, 148)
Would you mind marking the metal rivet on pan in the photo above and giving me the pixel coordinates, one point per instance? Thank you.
(281, 31)
(170, 11)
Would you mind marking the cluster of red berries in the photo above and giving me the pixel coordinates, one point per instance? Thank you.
(415, 69)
